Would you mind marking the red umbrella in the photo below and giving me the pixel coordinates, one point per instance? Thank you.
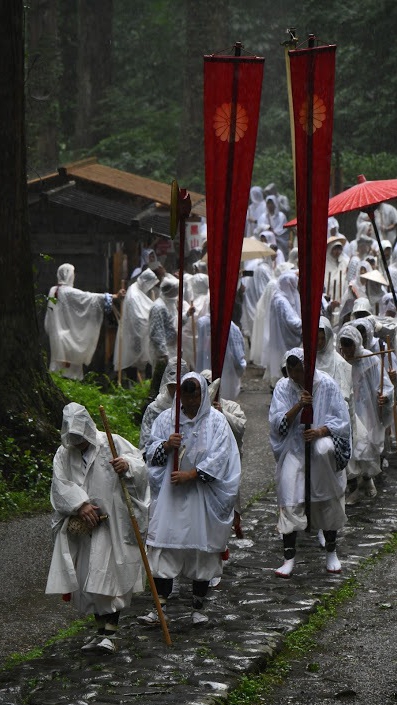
(365, 196)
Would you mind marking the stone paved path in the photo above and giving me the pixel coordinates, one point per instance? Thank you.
(249, 616)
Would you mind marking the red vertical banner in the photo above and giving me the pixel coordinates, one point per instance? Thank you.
(312, 84)
(232, 92)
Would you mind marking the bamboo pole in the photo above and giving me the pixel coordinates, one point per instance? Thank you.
(334, 296)
(381, 352)
(194, 336)
(329, 284)
(137, 532)
(340, 285)
(382, 372)
(394, 396)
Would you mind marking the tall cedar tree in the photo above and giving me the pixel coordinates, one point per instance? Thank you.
(28, 399)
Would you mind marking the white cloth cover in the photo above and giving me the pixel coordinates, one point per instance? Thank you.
(196, 515)
(73, 323)
(104, 569)
(133, 330)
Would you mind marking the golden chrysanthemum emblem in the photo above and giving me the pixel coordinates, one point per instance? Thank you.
(223, 118)
(319, 115)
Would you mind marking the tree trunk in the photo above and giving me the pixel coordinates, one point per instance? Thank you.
(93, 68)
(28, 398)
(42, 85)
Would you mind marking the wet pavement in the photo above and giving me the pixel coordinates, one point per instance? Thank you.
(250, 613)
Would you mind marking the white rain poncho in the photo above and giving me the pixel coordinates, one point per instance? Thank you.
(335, 270)
(330, 361)
(255, 209)
(328, 484)
(73, 323)
(234, 363)
(285, 324)
(356, 289)
(369, 436)
(276, 223)
(201, 301)
(103, 569)
(367, 323)
(133, 329)
(163, 400)
(259, 349)
(199, 514)
(163, 321)
(254, 288)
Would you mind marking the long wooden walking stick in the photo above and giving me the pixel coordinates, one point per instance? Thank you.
(137, 532)
(389, 352)
(194, 336)
(382, 371)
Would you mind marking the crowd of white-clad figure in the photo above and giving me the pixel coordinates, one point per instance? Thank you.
(356, 305)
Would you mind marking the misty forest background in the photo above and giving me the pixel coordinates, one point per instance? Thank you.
(122, 80)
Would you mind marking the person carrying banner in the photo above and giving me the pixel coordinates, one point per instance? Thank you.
(96, 562)
(329, 436)
(192, 508)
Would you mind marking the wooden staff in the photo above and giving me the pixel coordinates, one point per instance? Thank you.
(340, 285)
(382, 371)
(194, 336)
(381, 353)
(137, 532)
(329, 284)
(394, 396)
(334, 298)
(119, 372)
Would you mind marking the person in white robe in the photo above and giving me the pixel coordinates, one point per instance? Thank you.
(254, 288)
(285, 324)
(200, 300)
(376, 285)
(132, 340)
(357, 288)
(73, 323)
(373, 410)
(336, 265)
(234, 364)
(163, 322)
(275, 219)
(329, 436)
(100, 568)
(329, 360)
(256, 208)
(385, 219)
(192, 507)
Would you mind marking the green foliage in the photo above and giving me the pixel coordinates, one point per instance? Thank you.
(373, 166)
(122, 406)
(26, 460)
